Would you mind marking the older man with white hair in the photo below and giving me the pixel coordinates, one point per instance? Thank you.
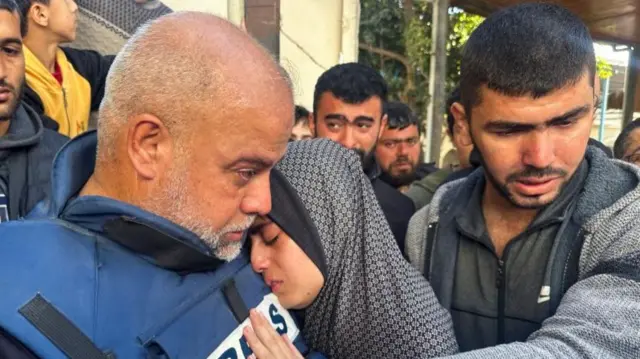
(138, 254)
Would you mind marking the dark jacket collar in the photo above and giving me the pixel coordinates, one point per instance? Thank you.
(157, 239)
(372, 169)
(25, 130)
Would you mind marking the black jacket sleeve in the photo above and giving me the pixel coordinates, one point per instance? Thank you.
(12, 348)
(94, 68)
(397, 209)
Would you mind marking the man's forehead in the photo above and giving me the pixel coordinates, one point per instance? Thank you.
(407, 132)
(498, 106)
(329, 103)
(9, 26)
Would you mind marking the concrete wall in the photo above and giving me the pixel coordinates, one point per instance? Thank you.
(316, 35)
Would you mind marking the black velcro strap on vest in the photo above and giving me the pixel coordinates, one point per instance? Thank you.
(60, 330)
(237, 305)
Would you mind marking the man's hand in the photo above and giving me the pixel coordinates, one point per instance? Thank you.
(265, 341)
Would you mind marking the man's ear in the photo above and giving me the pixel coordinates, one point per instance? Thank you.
(39, 13)
(149, 146)
(461, 127)
(383, 125)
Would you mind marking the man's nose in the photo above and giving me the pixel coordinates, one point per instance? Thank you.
(348, 138)
(257, 200)
(538, 150)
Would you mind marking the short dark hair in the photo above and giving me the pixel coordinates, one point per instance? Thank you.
(302, 116)
(12, 6)
(529, 49)
(352, 83)
(453, 98)
(400, 116)
(23, 9)
(620, 146)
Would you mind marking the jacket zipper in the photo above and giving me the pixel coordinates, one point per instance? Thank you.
(500, 284)
(66, 111)
(432, 232)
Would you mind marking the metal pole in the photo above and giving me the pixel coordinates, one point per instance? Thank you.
(630, 86)
(603, 108)
(437, 79)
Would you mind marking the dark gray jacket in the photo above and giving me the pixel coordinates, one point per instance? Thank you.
(27, 152)
(597, 316)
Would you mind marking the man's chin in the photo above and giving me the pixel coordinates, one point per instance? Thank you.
(228, 251)
(532, 202)
(7, 110)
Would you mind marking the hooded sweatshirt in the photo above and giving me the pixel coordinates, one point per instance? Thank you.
(67, 106)
(26, 155)
(373, 303)
(595, 303)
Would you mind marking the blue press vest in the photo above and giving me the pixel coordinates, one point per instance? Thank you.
(124, 302)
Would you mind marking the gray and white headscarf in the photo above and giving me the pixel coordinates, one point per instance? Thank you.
(374, 304)
(105, 25)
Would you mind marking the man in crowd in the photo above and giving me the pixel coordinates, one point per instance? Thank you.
(26, 148)
(348, 108)
(63, 84)
(627, 145)
(421, 191)
(398, 150)
(301, 130)
(153, 222)
(537, 249)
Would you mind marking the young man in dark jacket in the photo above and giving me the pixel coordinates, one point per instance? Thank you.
(63, 84)
(26, 148)
(537, 249)
(348, 109)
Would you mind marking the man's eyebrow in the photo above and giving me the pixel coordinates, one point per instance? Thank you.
(506, 125)
(578, 111)
(335, 116)
(503, 125)
(11, 41)
(252, 160)
(364, 118)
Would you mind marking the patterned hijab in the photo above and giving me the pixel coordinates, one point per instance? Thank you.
(105, 25)
(374, 304)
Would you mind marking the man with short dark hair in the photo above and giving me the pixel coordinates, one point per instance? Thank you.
(301, 130)
(537, 248)
(399, 151)
(348, 108)
(26, 148)
(63, 84)
(627, 145)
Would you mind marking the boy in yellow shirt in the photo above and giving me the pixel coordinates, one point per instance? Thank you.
(63, 84)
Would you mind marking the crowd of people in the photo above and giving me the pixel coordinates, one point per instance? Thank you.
(209, 217)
